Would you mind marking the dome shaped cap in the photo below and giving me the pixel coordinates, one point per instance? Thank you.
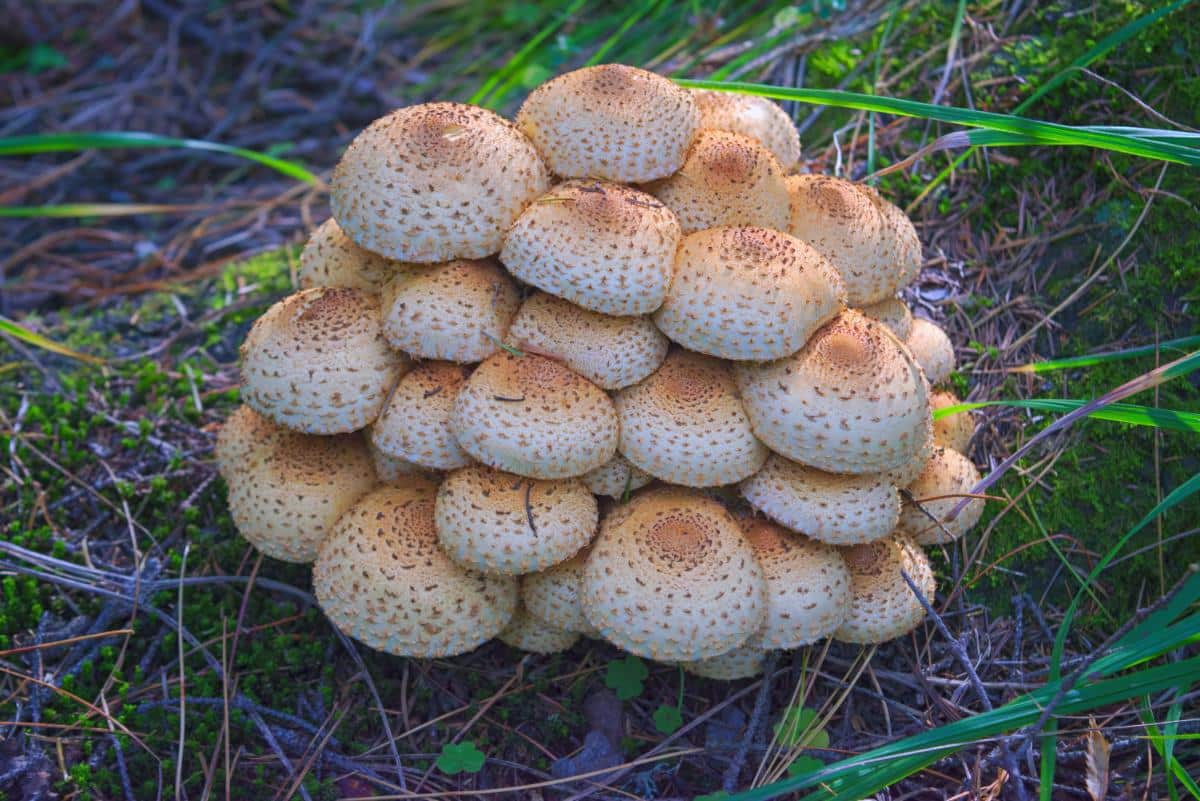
(893, 313)
(534, 417)
(953, 431)
(392, 470)
(884, 606)
(330, 258)
(381, 578)
(527, 633)
(415, 423)
(616, 477)
(932, 349)
(503, 523)
(756, 117)
(458, 311)
(830, 507)
(946, 480)
(672, 578)
(610, 121)
(286, 489)
(317, 361)
(553, 595)
(900, 242)
(742, 662)
(727, 179)
(748, 293)
(611, 352)
(850, 401)
(435, 182)
(602, 246)
(686, 425)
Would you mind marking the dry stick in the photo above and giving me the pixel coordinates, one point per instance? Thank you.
(267, 735)
(387, 726)
(734, 771)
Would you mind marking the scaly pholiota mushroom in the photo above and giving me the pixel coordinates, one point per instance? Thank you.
(330, 258)
(932, 349)
(415, 422)
(554, 595)
(753, 116)
(952, 430)
(947, 480)
(883, 606)
(527, 632)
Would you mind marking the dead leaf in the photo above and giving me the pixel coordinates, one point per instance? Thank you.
(1097, 762)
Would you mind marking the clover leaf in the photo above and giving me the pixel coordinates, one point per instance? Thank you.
(460, 758)
(625, 676)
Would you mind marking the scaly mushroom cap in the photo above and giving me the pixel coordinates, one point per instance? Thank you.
(527, 633)
(317, 361)
(753, 116)
(900, 243)
(671, 577)
(286, 489)
(415, 423)
(883, 606)
(435, 182)
(686, 425)
(534, 417)
(748, 293)
(954, 430)
(553, 595)
(616, 477)
(947, 478)
(382, 579)
(932, 349)
(391, 470)
(606, 247)
(458, 311)
(830, 507)
(610, 121)
(498, 522)
(742, 662)
(330, 258)
(852, 400)
(611, 352)
(727, 179)
(893, 313)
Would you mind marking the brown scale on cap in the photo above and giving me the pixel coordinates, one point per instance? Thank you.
(458, 311)
(528, 633)
(286, 489)
(503, 523)
(330, 258)
(317, 361)
(756, 117)
(932, 349)
(415, 423)
(894, 314)
(435, 182)
(535, 417)
(748, 294)
(685, 424)
(671, 577)
(610, 121)
(602, 246)
(616, 477)
(850, 401)
(953, 431)
(947, 478)
(883, 605)
(742, 662)
(382, 579)
(553, 595)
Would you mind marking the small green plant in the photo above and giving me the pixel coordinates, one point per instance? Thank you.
(626, 677)
(460, 758)
(668, 718)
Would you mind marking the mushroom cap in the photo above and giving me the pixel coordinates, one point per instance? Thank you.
(553, 595)
(727, 179)
(392, 470)
(954, 430)
(830, 507)
(610, 121)
(883, 606)
(382, 579)
(458, 311)
(893, 313)
(932, 349)
(947, 478)
(748, 293)
(415, 422)
(616, 477)
(317, 361)
(852, 400)
(685, 424)
(435, 182)
(902, 243)
(527, 633)
(611, 352)
(742, 662)
(671, 577)
(534, 417)
(286, 489)
(503, 523)
(330, 258)
(753, 116)
(606, 247)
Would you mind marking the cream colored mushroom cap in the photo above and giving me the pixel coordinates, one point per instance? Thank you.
(852, 400)
(900, 242)
(527, 633)
(748, 293)
(553, 595)
(947, 478)
(391, 470)
(330, 258)
(954, 430)
(317, 361)
(382, 579)
(435, 182)
(611, 352)
(932, 349)
(893, 313)
(685, 424)
(458, 311)
(602, 246)
(830, 507)
(616, 477)
(532, 416)
(883, 605)
(415, 423)
(727, 179)
(742, 662)
(610, 121)
(753, 116)
(671, 577)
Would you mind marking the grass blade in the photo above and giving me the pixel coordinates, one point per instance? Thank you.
(521, 56)
(1181, 344)
(1115, 412)
(30, 337)
(94, 210)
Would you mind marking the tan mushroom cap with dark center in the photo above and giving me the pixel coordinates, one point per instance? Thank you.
(893, 313)
(330, 258)
(753, 116)
(286, 489)
(435, 182)
(415, 423)
(932, 349)
(671, 577)
(954, 430)
(602, 246)
(616, 477)
(742, 662)
(527, 633)
(382, 579)
(553, 595)
(317, 361)
(611, 352)
(532, 416)
(884, 606)
(851, 400)
(946, 481)
(610, 121)
(748, 293)
(685, 424)
(458, 311)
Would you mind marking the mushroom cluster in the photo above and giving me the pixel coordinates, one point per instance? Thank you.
(615, 369)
